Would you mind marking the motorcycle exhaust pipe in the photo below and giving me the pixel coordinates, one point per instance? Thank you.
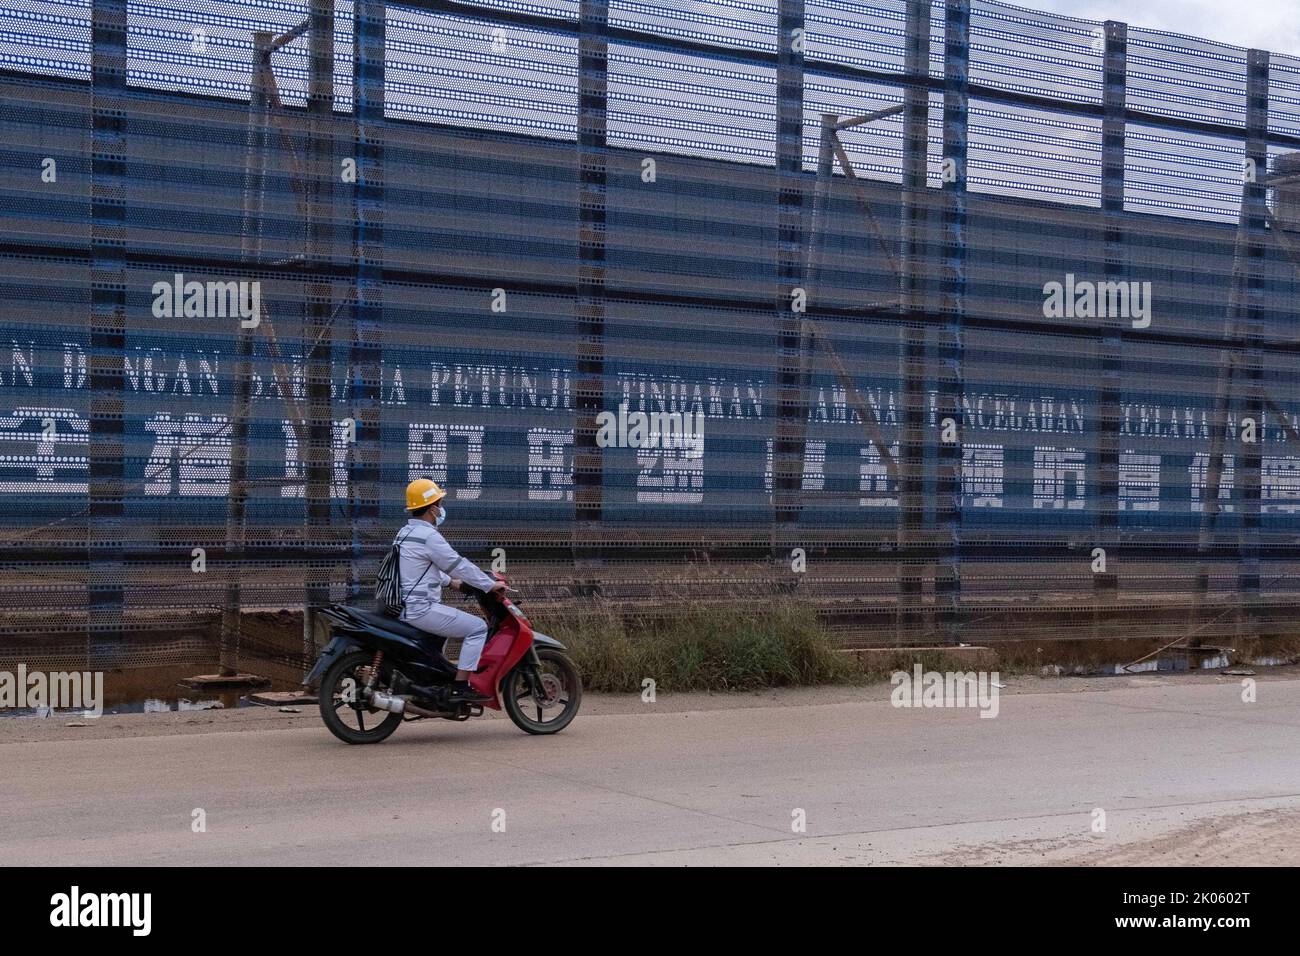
(388, 702)
(399, 705)
(421, 712)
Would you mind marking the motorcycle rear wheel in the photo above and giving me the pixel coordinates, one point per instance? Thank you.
(564, 690)
(341, 701)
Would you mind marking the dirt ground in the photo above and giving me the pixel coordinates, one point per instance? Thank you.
(1262, 838)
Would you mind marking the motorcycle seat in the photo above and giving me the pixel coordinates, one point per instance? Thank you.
(391, 624)
(430, 643)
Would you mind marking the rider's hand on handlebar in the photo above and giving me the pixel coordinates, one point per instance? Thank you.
(498, 588)
(455, 584)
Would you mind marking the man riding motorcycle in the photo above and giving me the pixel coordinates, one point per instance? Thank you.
(427, 565)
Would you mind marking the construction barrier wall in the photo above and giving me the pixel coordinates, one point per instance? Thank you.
(977, 323)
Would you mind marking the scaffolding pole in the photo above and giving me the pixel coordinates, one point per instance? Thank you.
(912, 335)
(950, 348)
(367, 356)
(318, 452)
(1241, 347)
(105, 489)
(249, 254)
(1110, 346)
(588, 457)
(789, 439)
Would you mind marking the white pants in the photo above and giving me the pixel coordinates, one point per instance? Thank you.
(448, 622)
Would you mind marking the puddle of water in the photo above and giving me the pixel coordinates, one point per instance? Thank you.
(157, 690)
(1183, 663)
(1167, 665)
(172, 703)
(155, 705)
(151, 705)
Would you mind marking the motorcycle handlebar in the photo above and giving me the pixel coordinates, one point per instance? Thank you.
(492, 602)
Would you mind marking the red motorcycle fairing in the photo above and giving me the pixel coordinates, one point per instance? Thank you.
(505, 648)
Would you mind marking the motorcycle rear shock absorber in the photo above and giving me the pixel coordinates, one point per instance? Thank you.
(374, 673)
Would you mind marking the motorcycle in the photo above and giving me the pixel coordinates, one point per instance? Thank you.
(369, 669)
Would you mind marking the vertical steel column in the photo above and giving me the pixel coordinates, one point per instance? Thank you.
(256, 143)
(319, 340)
(791, 424)
(1110, 347)
(916, 116)
(106, 514)
(366, 361)
(951, 352)
(588, 459)
(815, 234)
(1254, 215)
(318, 455)
(1243, 312)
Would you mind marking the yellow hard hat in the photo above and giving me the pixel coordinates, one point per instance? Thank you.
(422, 492)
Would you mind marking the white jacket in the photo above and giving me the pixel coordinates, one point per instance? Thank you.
(429, 563)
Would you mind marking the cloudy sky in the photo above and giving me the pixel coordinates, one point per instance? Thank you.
(1268, 24)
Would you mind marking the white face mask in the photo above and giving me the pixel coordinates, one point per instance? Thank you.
(442, 516)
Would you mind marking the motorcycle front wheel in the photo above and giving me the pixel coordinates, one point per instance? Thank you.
(345, 713)
(542, 701)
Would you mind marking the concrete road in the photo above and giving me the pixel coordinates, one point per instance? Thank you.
(1182, 768)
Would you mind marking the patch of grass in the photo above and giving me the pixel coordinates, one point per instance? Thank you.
(745, 645)
(702, 648)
